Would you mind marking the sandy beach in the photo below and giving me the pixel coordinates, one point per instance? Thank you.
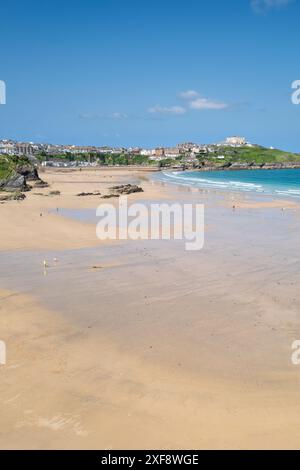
(141, 344)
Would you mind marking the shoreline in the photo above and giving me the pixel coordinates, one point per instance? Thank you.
(155, 169)
(253, 187)
(265, 166)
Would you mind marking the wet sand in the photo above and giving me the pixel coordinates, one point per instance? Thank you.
(158, 347)
(33, 223)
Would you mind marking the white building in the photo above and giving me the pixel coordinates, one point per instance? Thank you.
(7, 148)
(147, 152)
(172, 152)
(199, 149)
(235, 141)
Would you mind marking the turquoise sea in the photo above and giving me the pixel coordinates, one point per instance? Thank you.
(273, 182)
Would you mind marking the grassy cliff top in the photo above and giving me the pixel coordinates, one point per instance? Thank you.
(256, 154)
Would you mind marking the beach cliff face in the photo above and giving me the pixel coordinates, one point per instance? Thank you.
(140, 344)
(15, 172)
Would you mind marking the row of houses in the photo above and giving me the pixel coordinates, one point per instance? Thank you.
(187, 149)
(51, 149)
(9, 147)
(190, 149)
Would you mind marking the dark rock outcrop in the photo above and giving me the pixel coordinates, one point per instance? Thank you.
(17, 179)
(96, 193)
(15, 182)
(16, 196)
(29, 172)
(54, 193)
(109, 196)
(15, 172)
(41, 184)
(127, 189)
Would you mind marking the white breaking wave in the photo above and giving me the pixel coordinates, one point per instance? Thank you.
(288, 192)
(178, 177)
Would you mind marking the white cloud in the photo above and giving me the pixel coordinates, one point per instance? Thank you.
(193, 100)
(204, 103)
(263, 6)
(175, 110)
(188, 95)
(94, 116)
(118, 116)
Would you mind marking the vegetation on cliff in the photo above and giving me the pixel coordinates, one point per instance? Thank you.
(15, 171)
(102, 159)
(11, 164)
(218, 155)
(257, 155)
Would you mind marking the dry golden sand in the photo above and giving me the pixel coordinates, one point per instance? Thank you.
(69, 385)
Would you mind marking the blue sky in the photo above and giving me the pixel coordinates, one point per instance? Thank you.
(128, 72)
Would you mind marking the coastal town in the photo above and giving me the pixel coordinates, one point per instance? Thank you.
(64, 155)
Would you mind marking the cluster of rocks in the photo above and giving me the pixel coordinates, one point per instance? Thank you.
(115, 191)
(126, 189)
(95, 193)
(41, 184)
(12, 196)
(122, 189)
(109, 196)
